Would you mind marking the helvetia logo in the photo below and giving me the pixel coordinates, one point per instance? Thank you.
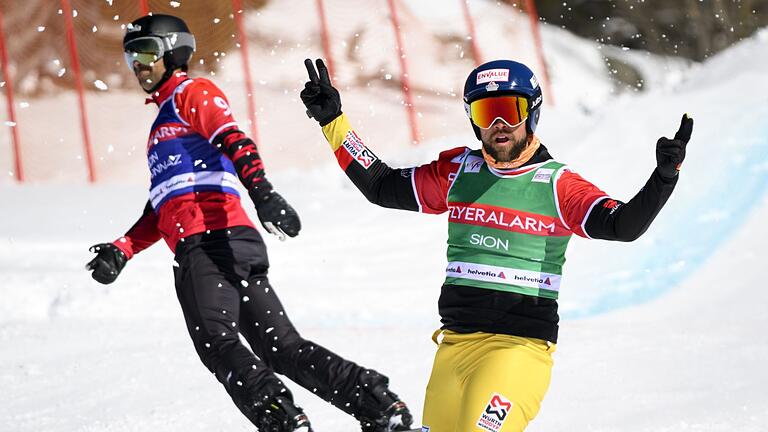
(539, 281)
(495, 413)
(456, 269)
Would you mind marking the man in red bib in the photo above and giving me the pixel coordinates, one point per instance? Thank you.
(197, 154)
(512, 209)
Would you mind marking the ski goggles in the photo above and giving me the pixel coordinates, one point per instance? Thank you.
(147, 50)
(511, 109)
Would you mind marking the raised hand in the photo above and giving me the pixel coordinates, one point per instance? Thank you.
(322, 100)
(670, 153)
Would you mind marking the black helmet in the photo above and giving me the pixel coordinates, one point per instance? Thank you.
(152, 37)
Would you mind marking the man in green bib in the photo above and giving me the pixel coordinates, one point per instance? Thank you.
(511, 210)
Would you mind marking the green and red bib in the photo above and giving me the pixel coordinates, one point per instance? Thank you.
(504, 228)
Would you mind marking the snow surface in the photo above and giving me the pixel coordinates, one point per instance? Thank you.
(664, 334)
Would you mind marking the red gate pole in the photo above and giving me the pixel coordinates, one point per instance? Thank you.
(533, 16)
(404, 74)
(325, 37)
(10, 104)
(237, 7)
(67, 10)
(471, 28)
(144, 7)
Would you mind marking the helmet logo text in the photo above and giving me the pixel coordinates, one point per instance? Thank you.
(492, 75)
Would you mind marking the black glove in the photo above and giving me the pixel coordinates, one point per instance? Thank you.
(275, 214)
(671, 152)
(321, 99)
(109, 262)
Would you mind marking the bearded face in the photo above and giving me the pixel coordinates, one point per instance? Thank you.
(503, 142)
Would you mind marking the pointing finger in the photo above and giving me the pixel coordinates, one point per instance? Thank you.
(685, 130)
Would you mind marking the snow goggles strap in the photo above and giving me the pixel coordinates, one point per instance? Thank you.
(144, 50)
(511, 109)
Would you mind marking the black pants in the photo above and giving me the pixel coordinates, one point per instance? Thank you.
(222, 286)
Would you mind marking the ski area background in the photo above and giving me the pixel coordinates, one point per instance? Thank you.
(663, 334)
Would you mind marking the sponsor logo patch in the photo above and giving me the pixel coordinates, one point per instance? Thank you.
(157, 166)
(543, 175)
(492, 75)
(473, 164)
(491, 86)
(496, 412)
(536, 102)
(452, 269)
(534, 82)
(503, 275)
(355, 147)
(504, 219)
(165, 133)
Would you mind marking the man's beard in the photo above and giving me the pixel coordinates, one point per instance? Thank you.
(504, 152)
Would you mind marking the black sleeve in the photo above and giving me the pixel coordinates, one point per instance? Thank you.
(615, 220)
(384, 186)
(243, 153)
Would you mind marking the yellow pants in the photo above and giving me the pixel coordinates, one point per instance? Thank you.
(486, 382)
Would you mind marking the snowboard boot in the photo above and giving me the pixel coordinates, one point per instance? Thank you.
(383, 411)
(279, 414)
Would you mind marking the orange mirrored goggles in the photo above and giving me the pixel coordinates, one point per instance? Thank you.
(511, 109)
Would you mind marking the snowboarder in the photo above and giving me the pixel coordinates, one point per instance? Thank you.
(511, 210)
(196, 153)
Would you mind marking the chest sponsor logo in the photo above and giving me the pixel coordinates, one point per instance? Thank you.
(496, 412)
(158, 165)
(166, 132)
(492, 75)
(543, 175)
(473, 164)
(359, 152)
(505, 219)
(489, 242)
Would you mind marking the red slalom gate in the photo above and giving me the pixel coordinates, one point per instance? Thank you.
(237, 8)
(144, 7)
(471, 29)
(410, 109)
(533, 16)
(67, 11)
(325, 37)
(10, 104)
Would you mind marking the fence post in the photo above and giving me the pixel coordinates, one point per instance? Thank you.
(410, 109)
(471, 29)
(237, 7)
(533, 16)
(325, 37)
(67, 11)
(19, 172)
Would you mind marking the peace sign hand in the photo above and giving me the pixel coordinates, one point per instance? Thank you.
(319, 96)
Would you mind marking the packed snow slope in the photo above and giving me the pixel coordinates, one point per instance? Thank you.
(664, 334)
